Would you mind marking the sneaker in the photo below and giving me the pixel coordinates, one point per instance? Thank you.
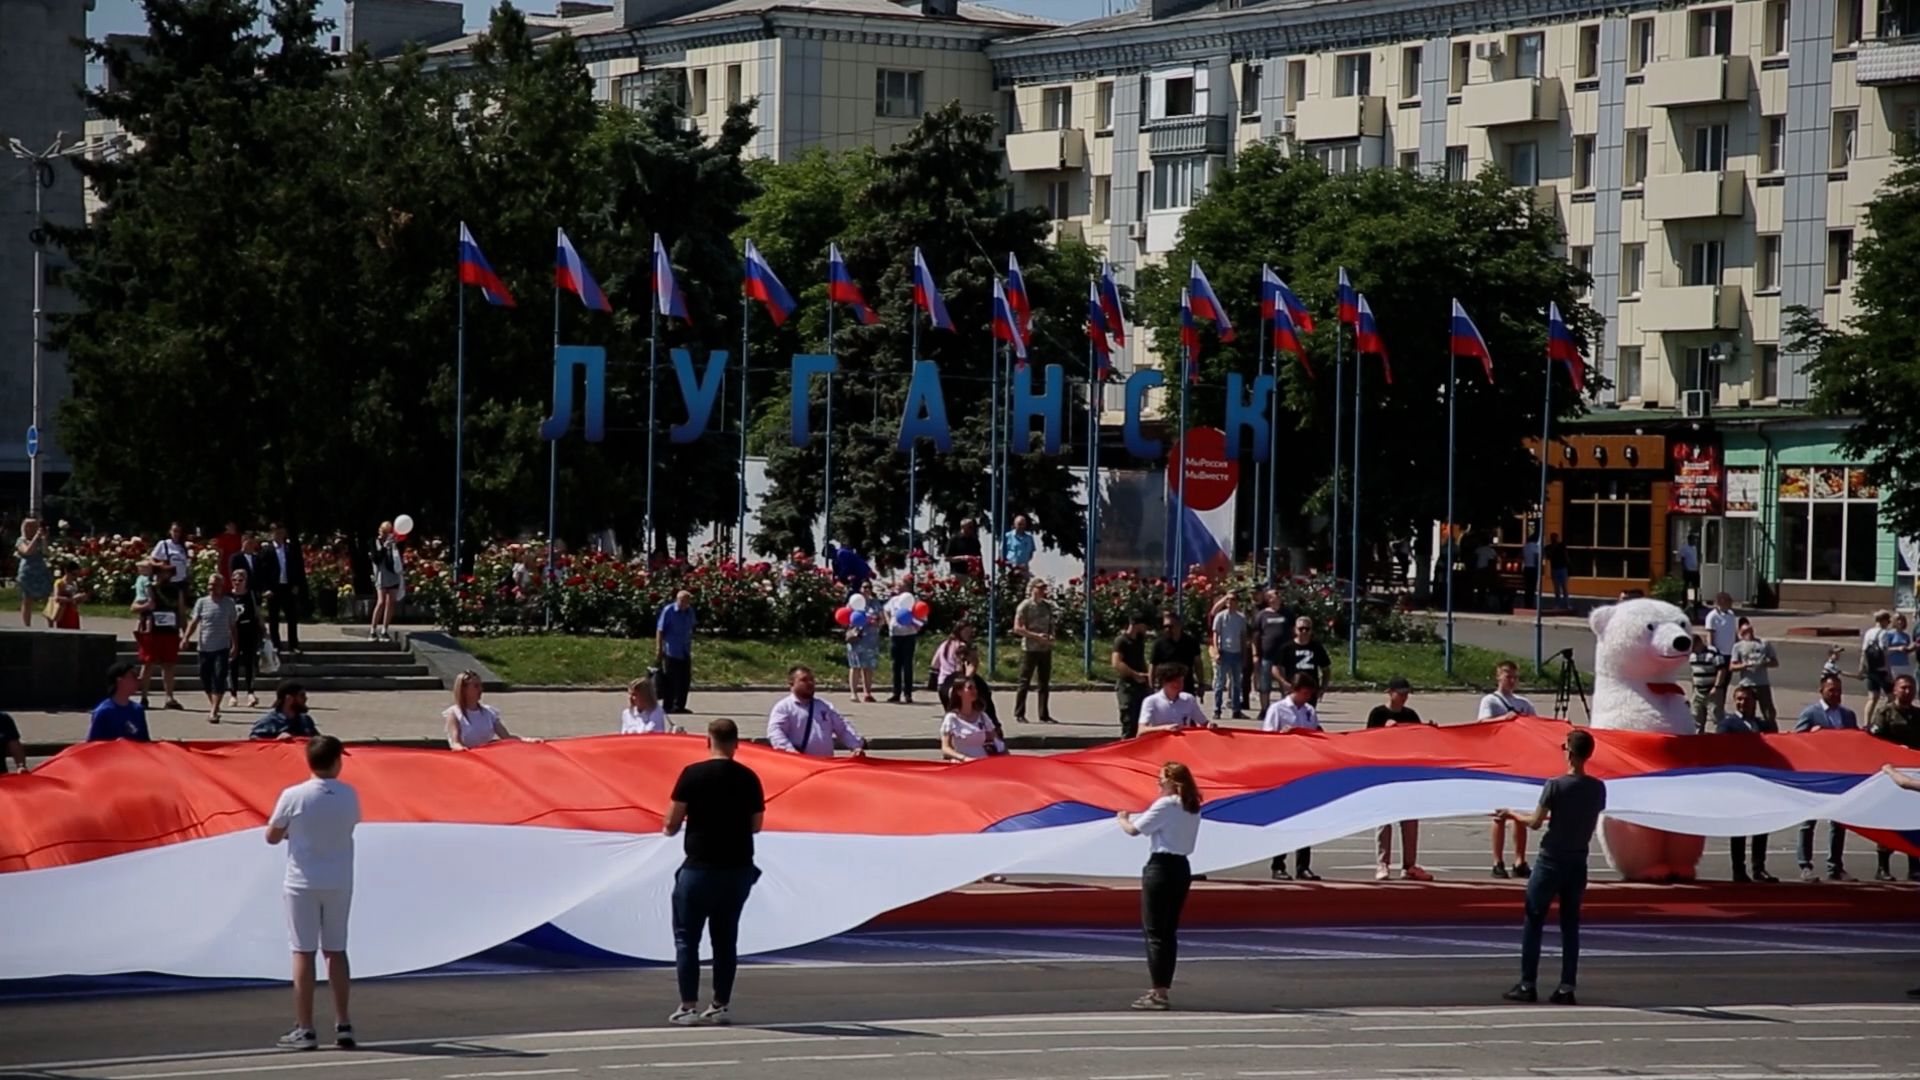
(684, 1017)
(1563, 996)
(870, 699)
(1521, 869)
(1809, 874)
(1415, 873)
(1381, 873)
(1762, 876)
(716, 1014)
(1239, 714)
(1150, 1003)
(1521, 992)
(343, 1037)
(1048, 720)
(1500, 870)
(175, 706)
(1740, 877)
(893, 699)
(1883, 874)
(1282, 875)
(300, 1039)
(1305, 874)
(1840, 875)
(1216, 714)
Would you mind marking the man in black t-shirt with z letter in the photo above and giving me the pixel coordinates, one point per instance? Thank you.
(1570, 807)
(722, 805)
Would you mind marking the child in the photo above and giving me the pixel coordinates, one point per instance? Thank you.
(63, 607)
(1832, 666)
(863, 655)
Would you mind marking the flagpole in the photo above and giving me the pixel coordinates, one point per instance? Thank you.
(1180, 492)
(1259, 467)
(1273, 460)
(1093, 503)
(1353, 529)
(1452, 365)
(746, 364)
(993, 507)
(553, 474)
(913, 459)
(1339, 396)
(826, 499)
(653, 387)
(1540, 526)
(459, 418)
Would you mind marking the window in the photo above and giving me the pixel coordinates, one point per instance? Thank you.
(1829, 524)
(1640, 44)
(1636, 158)
(1766, 265)
(1703, 369)
(1250, 75)
(1353, 75)
(1583, 158)
(1704, 262)
(1410, 72)
(1142, 195)
(1609, 525)
(1839, 257)
(1296, 83)
(1338, 158)
(1456, 163)
(1056, 108)
(736, 92)
(697, 95)
(1582, 259)
(1462, 56)
(1059, 201)
(1587, 64)
(1630, 372)
(638, 89)
(1103, 106)
(1766, 364)
(1906, 133)
(1410, 160)
(1178, 181)
(1529, 55)
(896, 94)
(1712, 32)
(1846, 128)
(1102, 199)
(1633, 268)
(1180, 96)
(1523, 164)
(1709, 148)
(1773, 154)
(1775, 19)
(1846, 23)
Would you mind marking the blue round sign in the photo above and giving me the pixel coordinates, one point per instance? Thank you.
(33, 441)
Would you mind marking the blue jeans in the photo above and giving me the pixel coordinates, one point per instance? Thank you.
(1560, 584)
(709, 898)
(1836, 847)
(1553, 879)
(1226, 681)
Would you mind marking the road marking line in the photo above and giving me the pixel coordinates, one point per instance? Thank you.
(516, 1072)
(832, 1057)
(670, 1064)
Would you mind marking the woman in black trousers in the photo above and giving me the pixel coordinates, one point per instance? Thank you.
(1172, 823)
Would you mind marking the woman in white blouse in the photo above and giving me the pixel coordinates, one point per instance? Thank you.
(643, 714)
(967, 732)
(469, 723)
(1172, 823)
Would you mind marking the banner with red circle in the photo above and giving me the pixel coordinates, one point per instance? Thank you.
(1211, 475)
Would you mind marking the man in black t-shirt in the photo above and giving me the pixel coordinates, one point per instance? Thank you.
(1271, 630)
(722, 805)
(1397, 713)
(1302, 653)
(1176, 646)
(1132, 678)
(1570, 807)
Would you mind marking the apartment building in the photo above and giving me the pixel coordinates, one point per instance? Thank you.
(1709, 163)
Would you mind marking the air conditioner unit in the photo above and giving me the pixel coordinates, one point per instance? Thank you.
(1487, 50)
(1137, 232)
(1696, 404)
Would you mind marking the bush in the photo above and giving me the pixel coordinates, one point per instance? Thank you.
(1397, 626)
(108, 565)
(1672, 589)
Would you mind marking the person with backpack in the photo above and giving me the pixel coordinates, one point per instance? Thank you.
(1873, 659)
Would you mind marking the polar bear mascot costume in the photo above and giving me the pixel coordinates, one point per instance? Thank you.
(1639, 674)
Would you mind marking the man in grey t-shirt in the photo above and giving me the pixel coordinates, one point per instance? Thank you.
(1033, 625)
(1570, 807)
(1229, 648)
(1749, 664)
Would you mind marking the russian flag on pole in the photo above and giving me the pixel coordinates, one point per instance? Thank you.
(1348, 300)
(1110, 303)
(1004, 328)
(842, 289)
(1189, 337)
(763, 285)
(1017, 297)
(570, 273)
(666, 291)
(1206, 305)
(475, 271)
(1467, 340)
(926, 295)
(1560, 346)
(1269, 291)
(1097, 332)
(1366, 337)
(1286, 339)
(1284, 296)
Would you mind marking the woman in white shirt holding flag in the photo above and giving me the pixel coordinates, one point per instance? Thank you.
(1172, 824)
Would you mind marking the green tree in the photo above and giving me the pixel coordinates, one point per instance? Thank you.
(1411, 242)
(1869, 370)
(940, 189)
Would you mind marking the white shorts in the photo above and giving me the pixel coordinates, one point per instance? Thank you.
(317, 919)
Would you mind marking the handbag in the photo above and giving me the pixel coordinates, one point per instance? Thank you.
(269, 659)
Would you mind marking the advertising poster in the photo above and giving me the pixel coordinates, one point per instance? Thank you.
(1697, 477)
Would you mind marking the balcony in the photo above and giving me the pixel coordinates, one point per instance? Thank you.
(1689, 308)
(1510, 101)
(1888, 63)
(1187, 135)
(1323, 119)
(1046, 151)
(1691, 195)
(1699, 80)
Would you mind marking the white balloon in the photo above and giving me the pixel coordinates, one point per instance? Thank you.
(907, 601)
(403, 524)
(857, 602)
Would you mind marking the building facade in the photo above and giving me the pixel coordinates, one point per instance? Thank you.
(1708, 161)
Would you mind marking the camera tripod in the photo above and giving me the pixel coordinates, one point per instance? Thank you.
(1569, 687)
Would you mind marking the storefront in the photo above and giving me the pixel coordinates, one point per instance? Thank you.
(1608, 497)
(1815, 520)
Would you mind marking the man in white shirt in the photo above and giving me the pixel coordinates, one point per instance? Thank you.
(173, 550)
(1722, 631)
(1295, 712)
(903, 635)
(1530, 567)
(1169, 707)
(1689, 554)
(1505, 704)
(316, 818)
(803, 724)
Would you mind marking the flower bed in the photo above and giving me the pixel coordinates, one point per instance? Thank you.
(107, 565)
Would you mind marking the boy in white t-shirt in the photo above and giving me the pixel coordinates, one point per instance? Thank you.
(316, 818)
(1505, 704)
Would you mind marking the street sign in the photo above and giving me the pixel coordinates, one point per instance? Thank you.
(33, 441)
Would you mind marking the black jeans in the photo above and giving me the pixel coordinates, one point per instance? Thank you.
(709, 898)
(676, 676)
(902, 646)
(1836, 846)
(1553, 879)
(1163, 892)
(282, 603)
(246, 660)
(1738, 844)
(1130, 696)
(1032, 663)
(1303, 859)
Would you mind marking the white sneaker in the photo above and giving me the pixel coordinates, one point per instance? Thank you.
(684, 1017)
(300, 1039)
(1382, 874)
(716, 1014)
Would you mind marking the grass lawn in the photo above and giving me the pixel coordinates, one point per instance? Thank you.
(10, 609)
(559, 660)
